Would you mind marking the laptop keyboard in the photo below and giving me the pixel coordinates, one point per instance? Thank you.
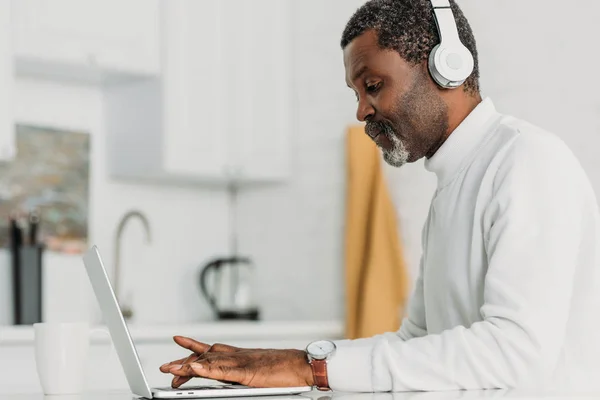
(205, 387)
(209, 387)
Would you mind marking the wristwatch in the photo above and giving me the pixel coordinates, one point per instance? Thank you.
(319, 352)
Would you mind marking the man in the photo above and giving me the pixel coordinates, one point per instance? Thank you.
(508, 294)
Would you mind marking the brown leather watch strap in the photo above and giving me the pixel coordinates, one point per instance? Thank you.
(319, 370)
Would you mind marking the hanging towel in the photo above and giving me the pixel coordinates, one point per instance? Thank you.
(376, 274)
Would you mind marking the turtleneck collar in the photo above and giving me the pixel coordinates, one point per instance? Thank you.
(450, 158)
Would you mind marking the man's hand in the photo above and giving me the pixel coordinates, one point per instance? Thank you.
(250, 367)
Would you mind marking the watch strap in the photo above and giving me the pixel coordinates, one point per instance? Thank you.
(319, 370)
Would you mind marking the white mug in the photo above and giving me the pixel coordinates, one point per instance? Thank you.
(61, 355)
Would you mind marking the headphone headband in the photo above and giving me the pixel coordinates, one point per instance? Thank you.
(450, 62)
(440, 3)
(445, 22)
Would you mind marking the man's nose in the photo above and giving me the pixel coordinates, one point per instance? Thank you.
(364, 111)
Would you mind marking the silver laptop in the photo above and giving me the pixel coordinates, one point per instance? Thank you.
(128, 355)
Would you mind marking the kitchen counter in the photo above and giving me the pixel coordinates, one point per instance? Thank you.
(316, 395)
(206, 331)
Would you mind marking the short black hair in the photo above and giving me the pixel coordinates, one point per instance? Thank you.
(408, 27)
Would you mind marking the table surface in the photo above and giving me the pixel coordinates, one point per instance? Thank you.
(316, 395)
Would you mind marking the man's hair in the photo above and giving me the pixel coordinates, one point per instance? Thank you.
(408, 27)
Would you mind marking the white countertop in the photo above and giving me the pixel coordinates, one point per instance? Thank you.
(208, 331)
(316, 395)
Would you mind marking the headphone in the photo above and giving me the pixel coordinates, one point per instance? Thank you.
(450, 62)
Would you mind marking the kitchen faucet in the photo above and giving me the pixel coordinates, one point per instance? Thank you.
(126, 309)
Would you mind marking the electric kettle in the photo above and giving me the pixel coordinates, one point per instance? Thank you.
(227, 285)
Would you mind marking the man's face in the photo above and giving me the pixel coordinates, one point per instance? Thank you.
(399, 102)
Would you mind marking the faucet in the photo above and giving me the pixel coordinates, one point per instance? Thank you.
(126, 309)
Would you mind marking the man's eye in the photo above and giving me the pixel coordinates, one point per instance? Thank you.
(373, 88)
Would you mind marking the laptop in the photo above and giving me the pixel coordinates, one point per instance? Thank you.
(128, 356)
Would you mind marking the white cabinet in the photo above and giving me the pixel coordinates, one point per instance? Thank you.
(221, 110)
(258, 71)
(7, 127)
(86, 40)
(195, 110)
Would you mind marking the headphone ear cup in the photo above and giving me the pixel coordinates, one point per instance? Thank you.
(434, 67)
(450, 66)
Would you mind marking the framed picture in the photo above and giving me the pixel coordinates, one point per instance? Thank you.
(49, 177)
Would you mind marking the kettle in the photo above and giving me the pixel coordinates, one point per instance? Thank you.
(226, 283)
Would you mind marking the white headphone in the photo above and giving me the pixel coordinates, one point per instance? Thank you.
(450, 62)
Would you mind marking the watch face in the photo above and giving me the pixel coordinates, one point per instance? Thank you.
(321, 349)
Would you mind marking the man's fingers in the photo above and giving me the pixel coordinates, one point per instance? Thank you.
(211, 360)
(207, 360)
(219, 372)
(216, 372)
(191, 344)
(179, 380)
(166, 367)
(223, 348)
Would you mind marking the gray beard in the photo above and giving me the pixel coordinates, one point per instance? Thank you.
(398, 155)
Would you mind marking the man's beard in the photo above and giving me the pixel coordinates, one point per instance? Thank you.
(396, 156)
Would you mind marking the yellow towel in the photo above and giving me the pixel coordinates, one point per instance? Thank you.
(376, 276)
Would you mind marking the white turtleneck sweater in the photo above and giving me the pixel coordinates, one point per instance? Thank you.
(508, 293)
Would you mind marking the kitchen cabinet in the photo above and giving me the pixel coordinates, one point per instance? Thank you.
(221, 110)
(7, 126)
(258, 70)
(86, 40)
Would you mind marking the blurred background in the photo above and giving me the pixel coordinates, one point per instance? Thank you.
(174, 134)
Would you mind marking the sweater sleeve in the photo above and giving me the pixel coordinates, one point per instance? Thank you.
(534, 220)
